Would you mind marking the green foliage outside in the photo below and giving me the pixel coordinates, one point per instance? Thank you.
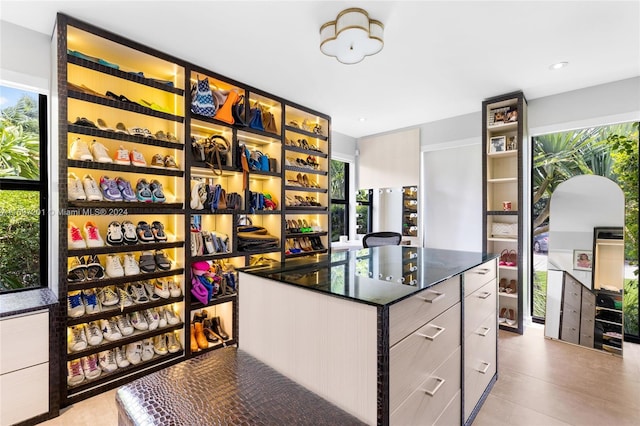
(611, 152)
(19, 209)
(19, 240)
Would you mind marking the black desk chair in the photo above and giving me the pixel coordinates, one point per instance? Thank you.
(376, 239)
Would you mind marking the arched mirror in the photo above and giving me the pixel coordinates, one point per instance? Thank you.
(586, 242)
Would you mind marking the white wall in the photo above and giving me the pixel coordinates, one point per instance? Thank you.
(24, 56)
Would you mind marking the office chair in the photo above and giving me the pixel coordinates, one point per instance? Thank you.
(376, 239)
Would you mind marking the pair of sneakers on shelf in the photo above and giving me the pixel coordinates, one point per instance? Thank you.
(91, 232)
(87, 189)
(150, 191)
(151, 233)
(82, 302)
(117, 189)
(129, 158)
(82, 151)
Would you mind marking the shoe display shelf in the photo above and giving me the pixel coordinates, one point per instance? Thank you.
(121, 149)
(503, 135)
(306, 176)
(409, 211)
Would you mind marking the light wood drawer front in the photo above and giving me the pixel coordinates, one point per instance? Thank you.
(572, 292)
(415, 357)
(427, 402)
(478, 276)
(478, 305)
(412, 313)
(25, 341)
(480, 361)
(588, 304)
(25, 394)
(451, 414)
(586, 338)
(570, 333)
(570, 316)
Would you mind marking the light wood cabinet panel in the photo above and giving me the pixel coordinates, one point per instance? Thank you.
(479, 304)
(25, 341)
(477, 277)
(480, 362)
(25, 394)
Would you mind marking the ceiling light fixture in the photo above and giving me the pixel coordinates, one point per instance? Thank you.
(558, 65)
(363, 119)
(352, 36)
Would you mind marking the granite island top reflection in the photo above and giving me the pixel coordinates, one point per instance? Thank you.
(373, 275)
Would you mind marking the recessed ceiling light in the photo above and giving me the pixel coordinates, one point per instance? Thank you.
(558, 65)
(363, 119)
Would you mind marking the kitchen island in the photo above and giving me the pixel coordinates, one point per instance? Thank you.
(392, 335)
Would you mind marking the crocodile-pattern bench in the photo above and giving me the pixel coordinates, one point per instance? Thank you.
(223, 387)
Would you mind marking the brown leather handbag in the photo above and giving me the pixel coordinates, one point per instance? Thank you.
(269, 122)
(225, 112)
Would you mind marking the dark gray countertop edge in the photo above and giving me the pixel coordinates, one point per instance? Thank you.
(22, 302)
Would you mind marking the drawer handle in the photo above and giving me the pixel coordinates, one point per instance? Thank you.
(484, 294)
(389, 278)
(437, 297)
(485, 369)
(482, 271)
(439, 383)
(432, 338)
(484, 332)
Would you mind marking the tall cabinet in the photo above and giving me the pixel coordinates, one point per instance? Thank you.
(124, 115)
(504, 134)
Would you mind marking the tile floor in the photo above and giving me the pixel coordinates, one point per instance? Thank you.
(541, 383)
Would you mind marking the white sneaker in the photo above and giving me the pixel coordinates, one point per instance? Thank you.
(91, 188)
(75, 190)
(134, 352)
(75, 375)
(139, 321)
(90, 366)
(147, 349)
(110, 329)
(93, 235)
(93, 332)
(76, 339)
(122, 156)
(75, 307)
(108, 296)
(124, 324)
(150, 288)
(136, 290)
(172, 343)
(129, 232)
(114, 234)
(172, 317)
(161, 288)
(100, 153)
(152, 317)
(174, 288)
(163, 317)
(114, 268)
(137, 159)
(125, 297)
(80, 151)
(90, 301)
(121, 357)
(160, 344)
(75, 237)
(107, 361)
(130, 265)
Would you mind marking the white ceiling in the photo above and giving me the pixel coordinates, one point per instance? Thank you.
(440, 59)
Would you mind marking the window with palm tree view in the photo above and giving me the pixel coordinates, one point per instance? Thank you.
(339, 179)
(22, 189)
(608, 151)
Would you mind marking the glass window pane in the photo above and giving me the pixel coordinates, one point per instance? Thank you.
(19, 239)
(20, 134)
(362, 196)
(338, 225)
(338, 180)
(362, 219)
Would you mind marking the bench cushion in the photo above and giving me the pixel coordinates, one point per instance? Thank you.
(226, 387)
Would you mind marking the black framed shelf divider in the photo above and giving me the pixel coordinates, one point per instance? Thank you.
(504, 134)
(117, 96)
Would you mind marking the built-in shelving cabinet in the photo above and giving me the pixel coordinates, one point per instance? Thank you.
(504, 133)
(125, 115)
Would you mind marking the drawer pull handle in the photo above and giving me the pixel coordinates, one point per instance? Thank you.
(484, 332)
(437, 297)
(439, 383)
(484, 294)
(482, 271)
(389, 278)
(485, 369)
(432, 338)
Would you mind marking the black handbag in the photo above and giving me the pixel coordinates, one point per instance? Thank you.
(238, 112)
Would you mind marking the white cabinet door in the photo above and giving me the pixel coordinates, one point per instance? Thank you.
(25, 341)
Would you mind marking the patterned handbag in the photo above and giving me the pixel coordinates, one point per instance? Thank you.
(202, 102)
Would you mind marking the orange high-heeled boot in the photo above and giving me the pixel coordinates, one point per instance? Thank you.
(194, 343)
(200, 337)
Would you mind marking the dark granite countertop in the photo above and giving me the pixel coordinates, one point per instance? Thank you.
(21, 302)
(373, 275)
